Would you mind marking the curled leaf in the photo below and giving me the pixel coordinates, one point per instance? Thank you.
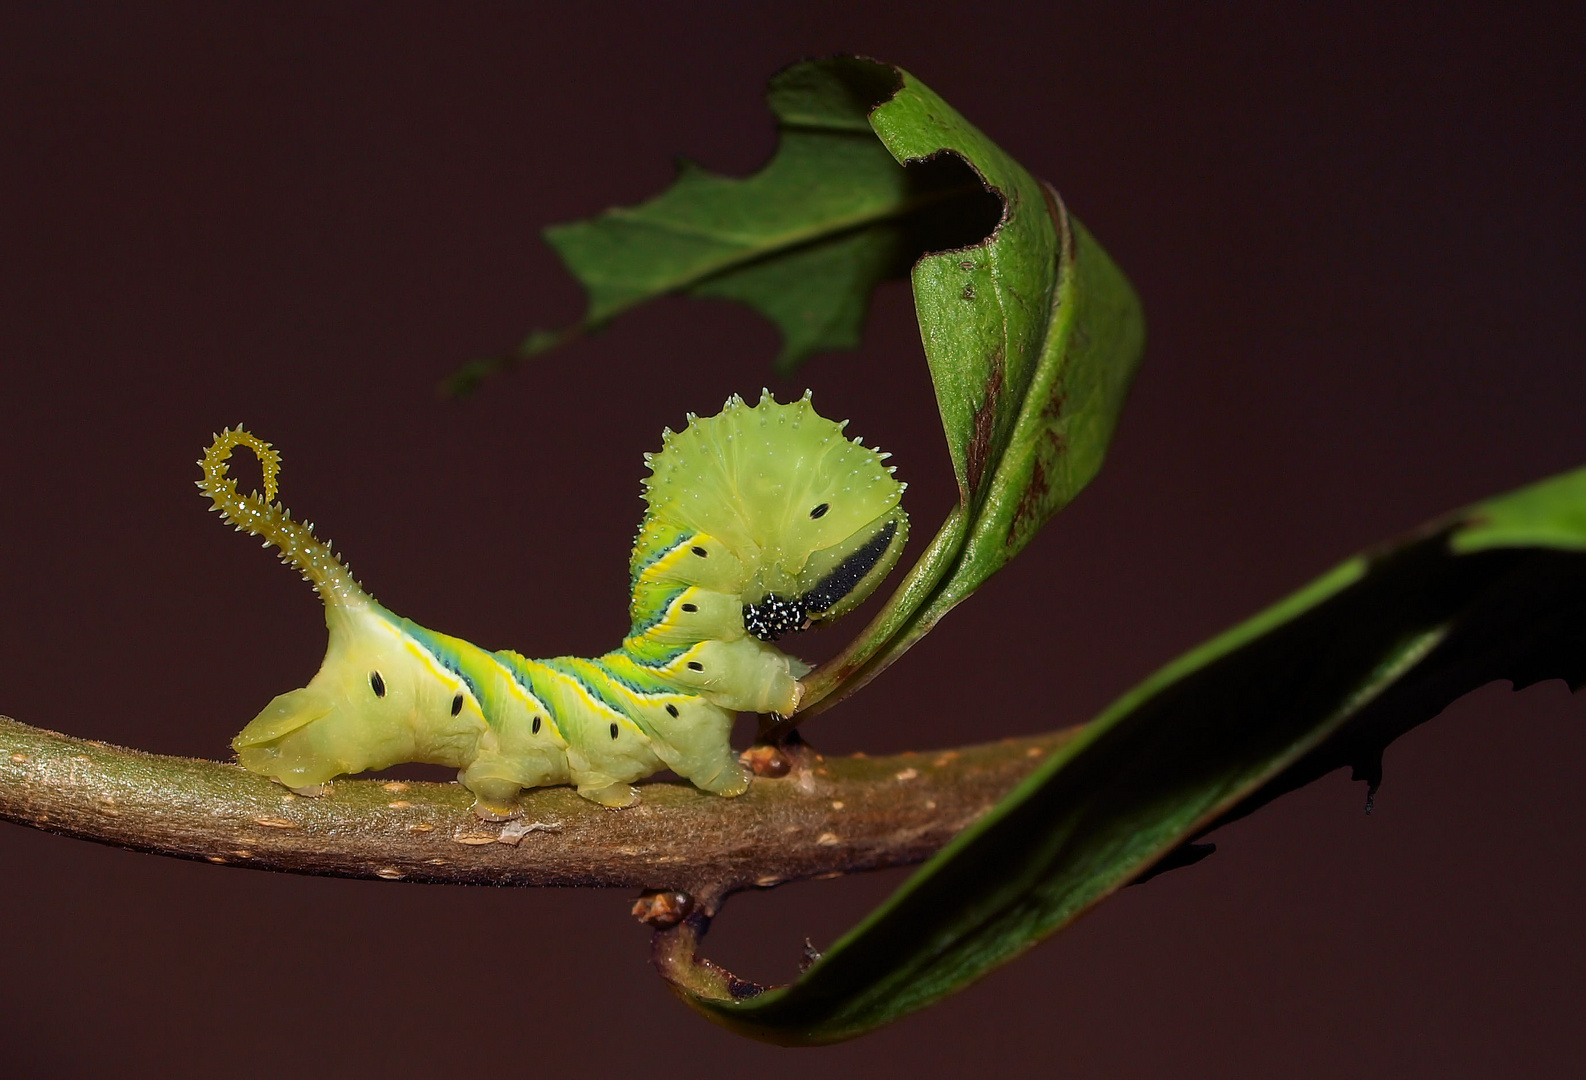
(1033, 337)
(1323, 679)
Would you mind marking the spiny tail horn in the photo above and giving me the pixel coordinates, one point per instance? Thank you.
(262, 516)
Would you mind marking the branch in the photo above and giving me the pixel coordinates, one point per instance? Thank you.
(825, 817)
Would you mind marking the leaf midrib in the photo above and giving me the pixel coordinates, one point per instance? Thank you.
(781, 244)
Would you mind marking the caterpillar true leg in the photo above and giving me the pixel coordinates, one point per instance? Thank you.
(761, 520)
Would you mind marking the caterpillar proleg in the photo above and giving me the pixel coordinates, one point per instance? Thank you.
(761, 521)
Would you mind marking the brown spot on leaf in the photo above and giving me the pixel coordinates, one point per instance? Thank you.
(979, 448)
(1028, 516)
(1053, 409)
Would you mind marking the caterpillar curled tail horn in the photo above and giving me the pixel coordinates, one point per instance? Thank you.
(761, 521)
(262, 516)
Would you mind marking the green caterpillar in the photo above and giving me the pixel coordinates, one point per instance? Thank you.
(761, 520)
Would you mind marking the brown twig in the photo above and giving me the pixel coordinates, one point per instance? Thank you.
(825, 817)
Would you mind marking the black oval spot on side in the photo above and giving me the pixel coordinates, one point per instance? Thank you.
(613, 729)
(672, 709)
(536, 728)
(377, 684)
(690, 607)
(820, 511)
(701, 552)
(457, 703)
(695, 665)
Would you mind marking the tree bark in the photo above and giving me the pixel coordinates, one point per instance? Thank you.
(827, 816)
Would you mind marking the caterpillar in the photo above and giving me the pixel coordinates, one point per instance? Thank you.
(760, 521)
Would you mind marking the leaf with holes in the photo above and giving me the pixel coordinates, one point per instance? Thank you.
(1032, 336)
(804, 241)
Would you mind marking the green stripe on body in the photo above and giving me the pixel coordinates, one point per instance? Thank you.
(651, 603)
(656, 540)
(596, 683)
(463, 659)
(523, 672)
(654, 654)
(637, 679)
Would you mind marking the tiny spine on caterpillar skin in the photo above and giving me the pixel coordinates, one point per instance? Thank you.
(760, 521)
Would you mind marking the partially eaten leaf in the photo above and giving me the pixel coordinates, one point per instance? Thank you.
(804, 241)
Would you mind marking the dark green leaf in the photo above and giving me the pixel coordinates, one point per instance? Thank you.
(1323, 679)
(804, 241)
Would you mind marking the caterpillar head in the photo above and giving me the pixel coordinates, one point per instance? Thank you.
(815, 518)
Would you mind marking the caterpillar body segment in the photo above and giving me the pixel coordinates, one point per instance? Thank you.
(761, 521)
(379, 699)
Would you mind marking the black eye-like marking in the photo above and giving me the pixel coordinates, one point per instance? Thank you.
(613, 729)
(377, 684)
(690, 607)
(695, 665)
(820, 511)
(457, 703)
(701, 552)
(536, 728)
(672, 709)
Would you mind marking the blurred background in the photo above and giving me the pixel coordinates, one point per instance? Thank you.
(1359, 235)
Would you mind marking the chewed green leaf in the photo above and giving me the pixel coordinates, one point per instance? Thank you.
(1321, 680)
(1032, 337)
(804, 241)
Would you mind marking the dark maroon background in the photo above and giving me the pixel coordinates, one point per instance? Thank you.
(1359, 237)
